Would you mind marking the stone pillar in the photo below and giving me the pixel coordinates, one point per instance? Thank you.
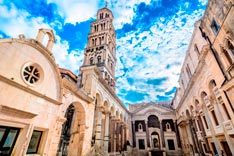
(208, 119)
(133, 134)
(203, 133)
(177, 134)
(192, 134)
(112, 135)
(117, 136)
(162, 134)
(147, 134)
(125, 137)
(98, 138)
(106, 136)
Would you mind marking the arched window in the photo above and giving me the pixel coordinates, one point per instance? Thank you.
(168, 126)
(153, 121)
(99, 59)
(140, 128)
(91, 60)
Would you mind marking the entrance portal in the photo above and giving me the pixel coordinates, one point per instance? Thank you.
(66, 132)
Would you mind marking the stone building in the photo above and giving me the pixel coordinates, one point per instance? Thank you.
(49, 111)
(154, 129)
(204, 101)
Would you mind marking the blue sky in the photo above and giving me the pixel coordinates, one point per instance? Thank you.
(152, 38)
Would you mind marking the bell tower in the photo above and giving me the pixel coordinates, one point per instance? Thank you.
(101, 46)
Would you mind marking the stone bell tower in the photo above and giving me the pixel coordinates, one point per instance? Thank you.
(101, 47)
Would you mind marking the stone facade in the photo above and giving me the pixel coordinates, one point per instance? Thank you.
(204, 101)
(154, 129)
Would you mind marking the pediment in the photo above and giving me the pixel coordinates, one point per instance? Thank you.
(154, 108)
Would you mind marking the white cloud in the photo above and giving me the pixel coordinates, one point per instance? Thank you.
(76, 11)
(15, 22)
(170, 41)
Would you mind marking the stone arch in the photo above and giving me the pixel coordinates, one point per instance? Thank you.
(211, 85)
(188, 115)
(51, 38)
(155, 138)
(73, 130)
(98, 100)
(153, 121)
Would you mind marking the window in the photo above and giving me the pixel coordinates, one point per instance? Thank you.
(188, 71)
(214, 117)
(214, 148)
(204, 118)
(31, 73)
(196, 49)
(34, 142)
(8, 137)
(215, 27)
(226, 111)
(91, 60)
(171, 145)
(99, 59)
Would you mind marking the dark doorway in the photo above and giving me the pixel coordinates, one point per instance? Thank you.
(66, 132)
(226, 148)
(171, 144)
(141, 143)
(214, 148)
(8, 137)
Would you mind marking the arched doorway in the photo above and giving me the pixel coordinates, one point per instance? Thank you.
(73, 131)
(155, 140)
(66, 132)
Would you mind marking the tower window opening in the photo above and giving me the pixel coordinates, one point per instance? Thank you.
(91, 60)
(99, 58)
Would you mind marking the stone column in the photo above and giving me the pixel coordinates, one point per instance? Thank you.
(203, 133)
(98, 138)
(113, 135)
(192, 134)
(125, 137)
(117, 136)
(162, 134)
(106, 136)
(177, 134)
(147, 133)
(133, 134)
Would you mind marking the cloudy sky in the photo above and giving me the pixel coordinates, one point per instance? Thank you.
(152, 38)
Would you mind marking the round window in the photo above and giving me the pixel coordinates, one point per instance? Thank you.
(31, 73)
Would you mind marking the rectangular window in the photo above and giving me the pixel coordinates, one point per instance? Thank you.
(34, 142)
(141, 143)
(226, 111)
(171, 145)
(8, 137)
(215, 26)
(188, 71)
(204, 118)
(214, 117)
